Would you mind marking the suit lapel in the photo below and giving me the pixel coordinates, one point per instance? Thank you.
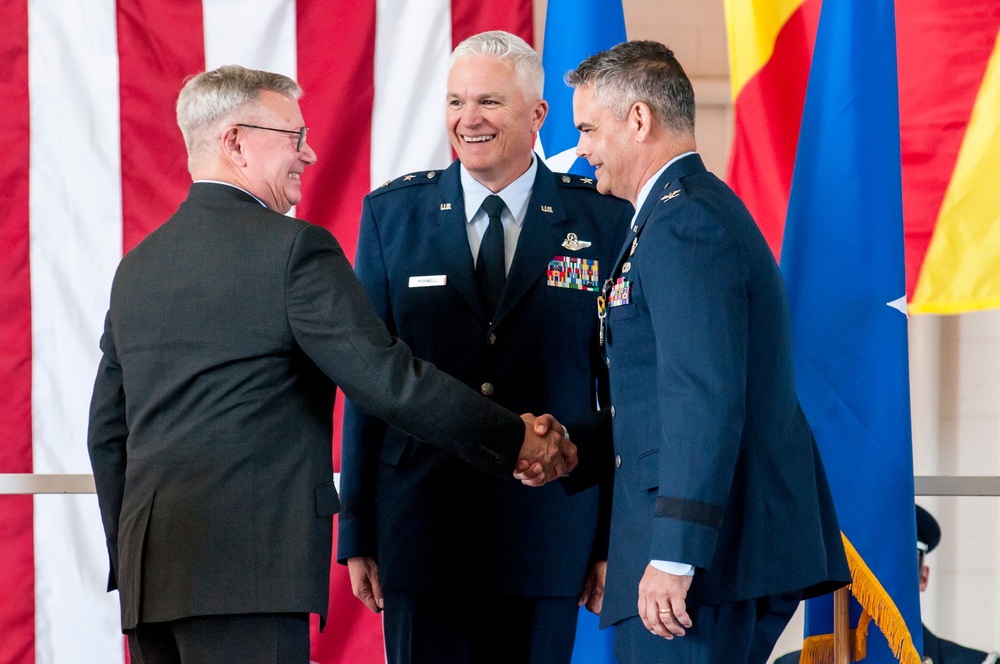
(451, 239)
(540, 233)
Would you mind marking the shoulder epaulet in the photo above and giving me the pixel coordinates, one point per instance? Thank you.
(670, 191)
(408, 180)
(571, 180)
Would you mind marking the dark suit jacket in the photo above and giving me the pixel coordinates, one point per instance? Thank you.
(717, 464)
(434, 526)
(211, 419)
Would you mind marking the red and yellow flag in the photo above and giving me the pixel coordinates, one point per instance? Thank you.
(949, 98)
(961, 271)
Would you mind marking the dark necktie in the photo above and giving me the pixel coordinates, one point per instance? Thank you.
(490, 272)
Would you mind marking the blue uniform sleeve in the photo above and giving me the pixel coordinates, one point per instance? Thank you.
(696, 293)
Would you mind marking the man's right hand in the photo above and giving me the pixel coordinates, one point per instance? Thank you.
(546, 454)
(592, 595)
(364, 581)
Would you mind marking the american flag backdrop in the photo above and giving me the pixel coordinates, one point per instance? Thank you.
(91, 160)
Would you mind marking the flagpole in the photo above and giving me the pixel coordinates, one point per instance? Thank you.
(841, 626)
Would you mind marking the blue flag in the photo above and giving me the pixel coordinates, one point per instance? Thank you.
(574, 30)
(842, 259)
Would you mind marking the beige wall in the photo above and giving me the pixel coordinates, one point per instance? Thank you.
(955, 397)
(696, 33)
(954, 361)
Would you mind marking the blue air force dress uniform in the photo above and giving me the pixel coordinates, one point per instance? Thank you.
(437, 527)
(716, 463)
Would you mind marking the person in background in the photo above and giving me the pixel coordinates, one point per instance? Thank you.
(490, 269)
(936, 650)
(210, 434)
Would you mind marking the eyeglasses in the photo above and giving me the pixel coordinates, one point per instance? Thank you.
(301, 133)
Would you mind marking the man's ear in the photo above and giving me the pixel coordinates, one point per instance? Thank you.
(640, 118)
(538, 113)
(232, 146)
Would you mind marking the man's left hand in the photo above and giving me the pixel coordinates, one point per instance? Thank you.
(662, 604)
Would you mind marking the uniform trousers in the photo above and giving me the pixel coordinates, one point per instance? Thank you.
(254, 638)
(483, 629)
(731, 633)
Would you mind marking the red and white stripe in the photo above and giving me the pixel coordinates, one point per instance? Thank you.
(91, 160)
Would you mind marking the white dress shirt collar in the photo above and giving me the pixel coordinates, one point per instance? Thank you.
(515, 195)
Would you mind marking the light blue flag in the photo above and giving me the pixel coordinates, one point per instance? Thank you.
(842, 259)
(574, 30)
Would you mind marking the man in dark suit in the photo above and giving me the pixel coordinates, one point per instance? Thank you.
(722, 517)
(211, 420)
(445, 548)
(936, 650)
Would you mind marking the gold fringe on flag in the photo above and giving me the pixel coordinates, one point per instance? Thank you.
(876, 605)
(818, 649)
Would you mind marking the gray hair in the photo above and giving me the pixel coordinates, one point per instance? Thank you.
(507, 48)
(635, 71)
(213, 96)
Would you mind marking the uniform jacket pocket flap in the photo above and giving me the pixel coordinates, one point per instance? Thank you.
(649, 470)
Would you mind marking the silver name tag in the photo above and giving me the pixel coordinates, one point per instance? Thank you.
(428, 280)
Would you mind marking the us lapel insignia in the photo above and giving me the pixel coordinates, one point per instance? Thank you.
(573, 243)
(635, 243)
(673, 194)
(547, 208)
(446, 206)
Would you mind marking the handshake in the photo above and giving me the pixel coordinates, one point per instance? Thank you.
(546, 454)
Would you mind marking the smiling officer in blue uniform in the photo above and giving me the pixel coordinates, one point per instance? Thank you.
(722, 517)
(469, 568)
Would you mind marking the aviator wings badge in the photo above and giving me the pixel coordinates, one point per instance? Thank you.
(573, 244)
